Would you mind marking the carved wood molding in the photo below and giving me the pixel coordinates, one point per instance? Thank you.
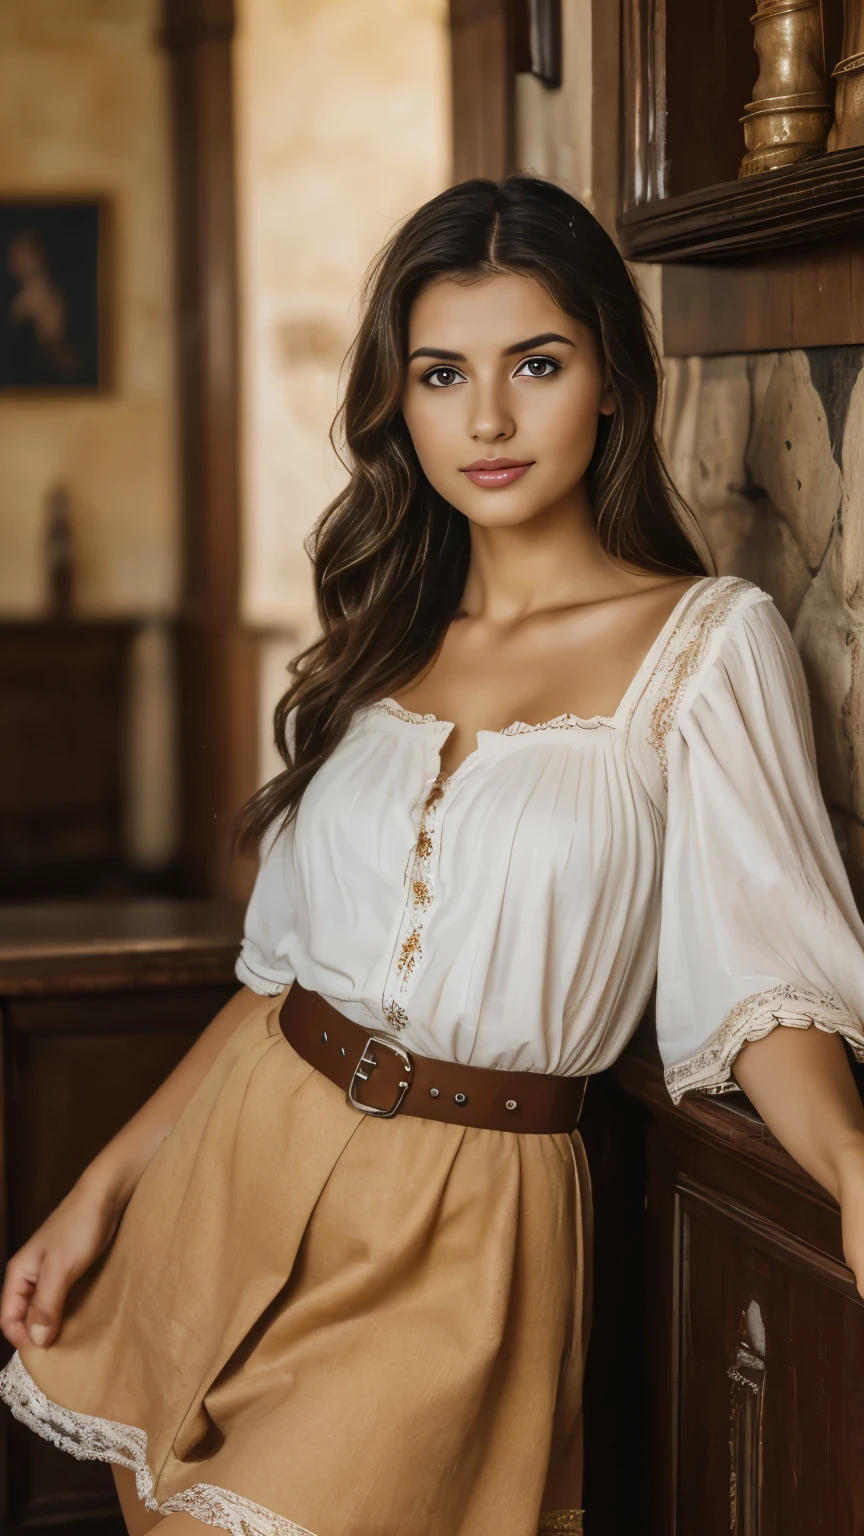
(768, 1236)
(812, 201)
(643, 43)
(799, 204)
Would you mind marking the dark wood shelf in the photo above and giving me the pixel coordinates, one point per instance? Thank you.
(801, 204)
(48, 948)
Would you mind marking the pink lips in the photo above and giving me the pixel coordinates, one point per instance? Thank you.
(495, 472)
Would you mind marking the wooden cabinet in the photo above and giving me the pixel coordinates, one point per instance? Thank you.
(766, 261)
(98, 1004)
(754, 1331)
(63, 701)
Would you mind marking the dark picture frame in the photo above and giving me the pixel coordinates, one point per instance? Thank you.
(54, 295)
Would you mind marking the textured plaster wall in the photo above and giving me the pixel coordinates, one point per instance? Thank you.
(769, 451)
(553, 127)
(343, 127)
(83, 110)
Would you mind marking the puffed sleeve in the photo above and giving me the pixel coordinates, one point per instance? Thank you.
(263, 964)
(759, 927)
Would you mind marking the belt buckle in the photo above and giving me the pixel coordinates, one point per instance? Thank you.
(368, 1059)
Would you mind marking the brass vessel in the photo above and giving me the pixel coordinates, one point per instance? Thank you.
(790, 114)
(848, 129)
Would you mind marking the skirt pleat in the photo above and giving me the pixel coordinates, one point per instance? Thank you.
(314, 1323)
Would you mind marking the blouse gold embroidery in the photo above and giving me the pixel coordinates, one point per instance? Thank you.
(421, 896)
(703, 620)
(410, 953)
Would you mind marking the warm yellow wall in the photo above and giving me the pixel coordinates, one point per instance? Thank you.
(342, 128)
(83, 110)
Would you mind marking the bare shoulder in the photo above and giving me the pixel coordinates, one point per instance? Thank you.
(640, 613)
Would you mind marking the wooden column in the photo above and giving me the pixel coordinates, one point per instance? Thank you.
(218, 670)
(483, 43)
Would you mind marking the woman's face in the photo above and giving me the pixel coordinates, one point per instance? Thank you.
(499, 376)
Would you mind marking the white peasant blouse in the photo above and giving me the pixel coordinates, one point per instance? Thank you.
(515, 913)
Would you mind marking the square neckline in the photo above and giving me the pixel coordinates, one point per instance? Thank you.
(566, 721)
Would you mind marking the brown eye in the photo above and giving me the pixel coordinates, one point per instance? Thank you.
(441, 378)
(548, 365)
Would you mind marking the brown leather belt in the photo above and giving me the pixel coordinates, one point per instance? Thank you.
(382, 1077)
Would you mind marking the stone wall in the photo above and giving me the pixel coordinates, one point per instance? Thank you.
(768, 450)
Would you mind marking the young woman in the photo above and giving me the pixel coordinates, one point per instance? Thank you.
(536, 757)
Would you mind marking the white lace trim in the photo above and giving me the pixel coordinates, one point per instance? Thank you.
(227, 1511)
(410, 717)
(560, 723)
(752, 1019)
(566, 722)
(88, 1438)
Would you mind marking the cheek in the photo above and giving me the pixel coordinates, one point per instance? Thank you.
(567, 419)
(429, 429)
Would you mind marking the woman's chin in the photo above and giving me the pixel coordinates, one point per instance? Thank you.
(498, 510)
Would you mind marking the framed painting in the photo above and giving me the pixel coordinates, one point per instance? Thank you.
(53, 295)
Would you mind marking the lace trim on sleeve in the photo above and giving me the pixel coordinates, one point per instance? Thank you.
(561, 1522)
(88, 1438)
(752, 1019)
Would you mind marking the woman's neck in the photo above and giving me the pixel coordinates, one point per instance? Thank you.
(554, 560)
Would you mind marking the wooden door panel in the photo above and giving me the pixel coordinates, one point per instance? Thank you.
(770, 1345)
(76, 1069)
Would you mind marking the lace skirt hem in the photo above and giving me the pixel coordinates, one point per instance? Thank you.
(92, 1439)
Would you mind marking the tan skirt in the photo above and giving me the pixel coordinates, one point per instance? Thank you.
(312, 1321)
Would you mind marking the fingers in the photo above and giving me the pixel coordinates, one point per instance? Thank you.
(35, 1288)
(45, 1311)
(22, 1274)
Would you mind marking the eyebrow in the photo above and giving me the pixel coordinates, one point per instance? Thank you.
(518, 346)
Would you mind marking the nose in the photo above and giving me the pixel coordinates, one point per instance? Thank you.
(490, 415)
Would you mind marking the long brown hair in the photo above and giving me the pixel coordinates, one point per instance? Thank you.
(390, 554)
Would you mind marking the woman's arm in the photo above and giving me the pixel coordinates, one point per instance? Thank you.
(801, 1083)
(39, 1275)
